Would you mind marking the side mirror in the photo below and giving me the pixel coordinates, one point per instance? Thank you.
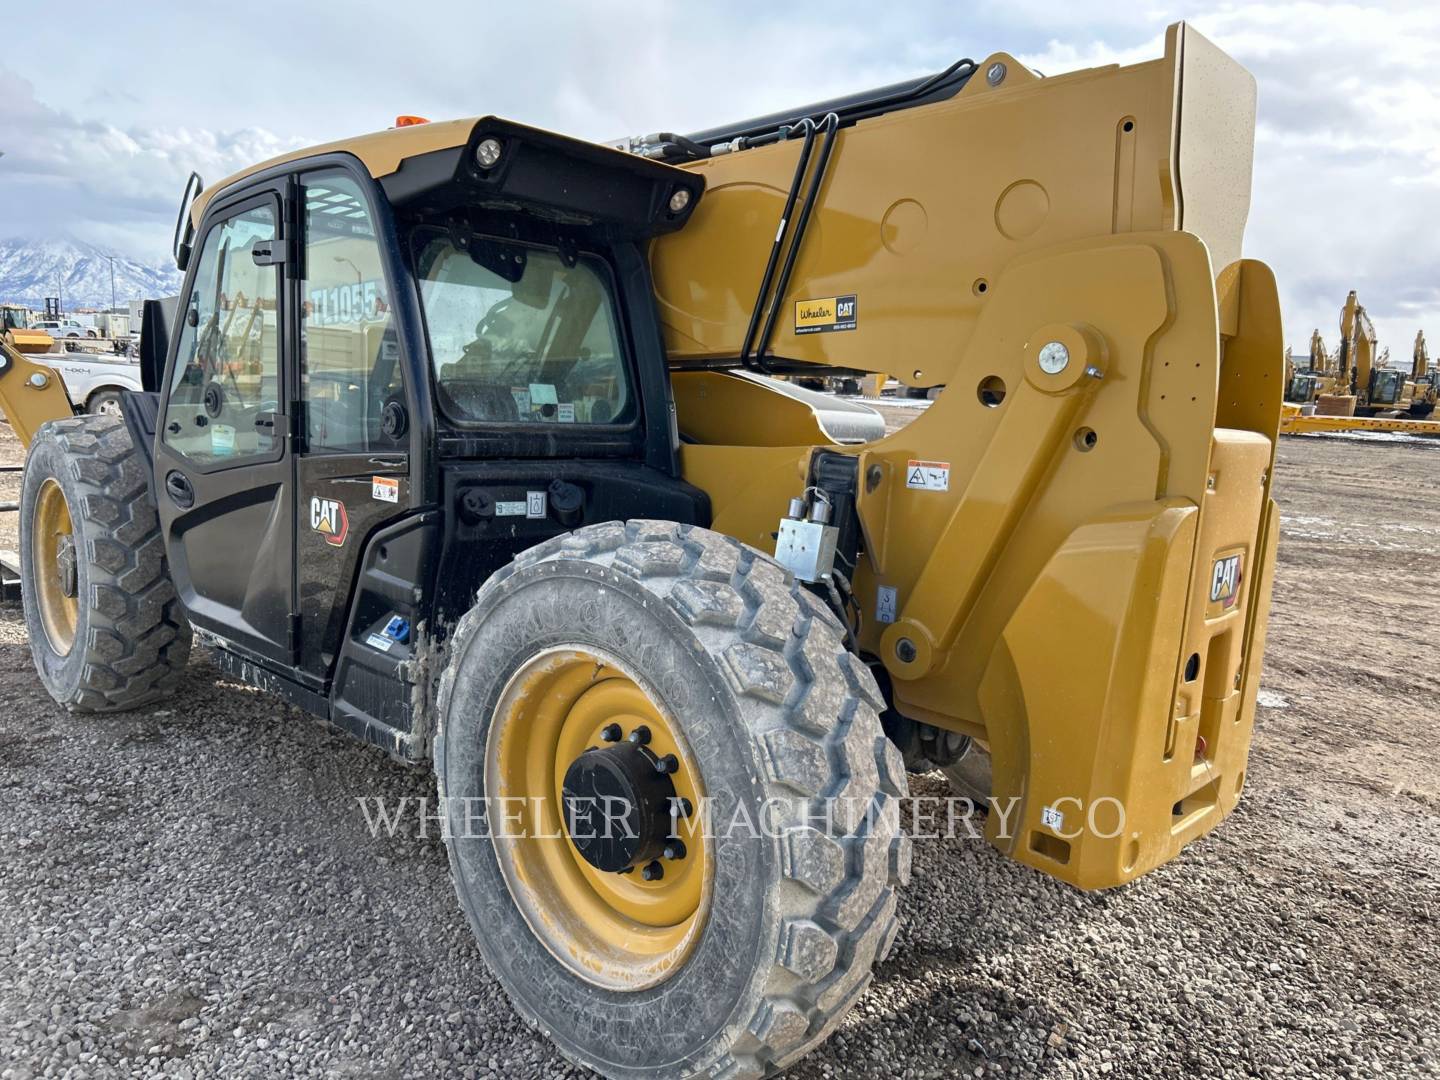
(156, 318)
(184, 230)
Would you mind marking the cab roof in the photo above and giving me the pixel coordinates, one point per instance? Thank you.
(381, 153)
(539, 171)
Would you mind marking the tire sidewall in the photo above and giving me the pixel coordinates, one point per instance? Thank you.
(670, 1027)
(61, 675)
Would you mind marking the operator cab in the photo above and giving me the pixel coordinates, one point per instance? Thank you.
(398, 363)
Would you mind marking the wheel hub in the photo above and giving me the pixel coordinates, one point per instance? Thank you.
(617, 806)
(66, 571)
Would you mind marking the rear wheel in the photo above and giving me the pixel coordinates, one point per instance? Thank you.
(722, 911)
(105, 626)
(104, 403)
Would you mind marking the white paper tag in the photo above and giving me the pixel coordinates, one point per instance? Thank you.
(385, 489)
(222, 439)
(1052, 818)
(509, 509)
(566, 412)
(379, 641)
(927, 475)
(885, 604)
(535, 504)
(543, 393)
(522, 402)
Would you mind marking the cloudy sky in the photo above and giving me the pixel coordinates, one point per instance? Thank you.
(103, 113)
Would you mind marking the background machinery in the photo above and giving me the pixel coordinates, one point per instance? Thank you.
(1377, 389)
(462, 440)
(1306, 384)
(1425, 387)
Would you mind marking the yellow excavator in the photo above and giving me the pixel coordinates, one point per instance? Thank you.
(1425, 386)
(1368, 385)
(498, 479)
(1306, 384)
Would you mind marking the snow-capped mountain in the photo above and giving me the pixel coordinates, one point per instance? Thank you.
(79, 273)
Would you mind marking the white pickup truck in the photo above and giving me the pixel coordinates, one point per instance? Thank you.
(93, 382)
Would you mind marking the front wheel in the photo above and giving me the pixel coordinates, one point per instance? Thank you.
(672, 816)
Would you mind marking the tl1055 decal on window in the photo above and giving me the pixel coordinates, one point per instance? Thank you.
(328, 518)
(826, 314)
(343, 304)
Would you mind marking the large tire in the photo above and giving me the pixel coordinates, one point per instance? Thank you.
(128, 637)
(753, 668)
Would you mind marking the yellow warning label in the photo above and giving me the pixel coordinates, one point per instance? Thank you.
(826, 314)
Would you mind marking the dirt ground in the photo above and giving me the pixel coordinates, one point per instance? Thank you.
(191, 891)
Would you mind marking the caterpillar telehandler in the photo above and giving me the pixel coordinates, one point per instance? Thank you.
(463, 439)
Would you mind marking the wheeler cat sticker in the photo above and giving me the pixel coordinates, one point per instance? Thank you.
(328, 518)
(826, 314)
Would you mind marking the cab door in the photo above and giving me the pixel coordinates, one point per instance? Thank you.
(222, 459)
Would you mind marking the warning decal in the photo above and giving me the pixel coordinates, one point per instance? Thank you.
(385, 489)
(927, 475)
(826, 314)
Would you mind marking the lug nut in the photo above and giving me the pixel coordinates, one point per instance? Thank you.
(681, 807)
(675, 849)
(653, 872)
(668, 764)
(640, 736)
(611, 733)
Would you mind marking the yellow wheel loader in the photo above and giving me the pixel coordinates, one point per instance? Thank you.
(465, 438)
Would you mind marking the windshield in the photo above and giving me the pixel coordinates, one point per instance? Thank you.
(516, 336)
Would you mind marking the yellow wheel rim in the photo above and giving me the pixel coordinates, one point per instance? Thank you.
(53, 555)
(616, 930)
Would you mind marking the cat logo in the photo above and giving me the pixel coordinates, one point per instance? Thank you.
(1225, 581)
(328, 518)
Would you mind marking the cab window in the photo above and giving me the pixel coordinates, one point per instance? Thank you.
(518, 336)
(349, 353)
(224, 386)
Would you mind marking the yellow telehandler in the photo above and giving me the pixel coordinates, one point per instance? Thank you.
(465, 438)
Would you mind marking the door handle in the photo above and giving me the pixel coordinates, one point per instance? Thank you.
(180, 490)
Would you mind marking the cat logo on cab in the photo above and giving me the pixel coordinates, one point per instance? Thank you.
(328, 518)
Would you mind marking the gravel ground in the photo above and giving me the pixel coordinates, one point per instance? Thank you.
(192, 891)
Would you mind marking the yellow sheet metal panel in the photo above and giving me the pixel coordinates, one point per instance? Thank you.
(1215, 158)
(30, 394)
(750, 487)
(923, 209)
(714, 407)
(1082, 678)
